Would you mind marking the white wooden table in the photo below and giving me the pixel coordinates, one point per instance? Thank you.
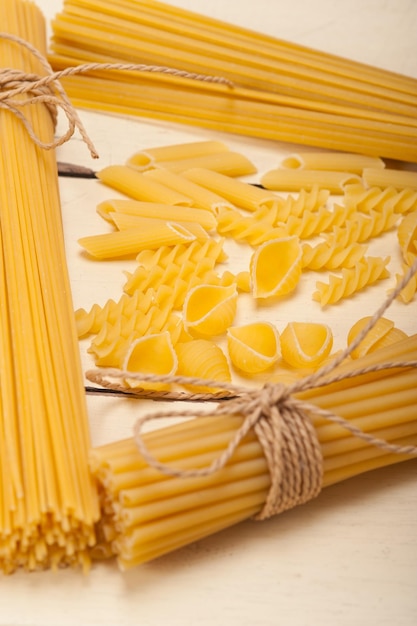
(349, 557)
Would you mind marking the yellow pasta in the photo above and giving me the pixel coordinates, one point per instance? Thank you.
(254, 229)
(140, 187)
(366, 272)
(201, 197)
(382, 334)
(237, 192)
(313, 223)
(124, 221)
(399, 179)
(154, 234)
(407, 237)
(173, 213)
(311, 200)
(146, 159)
(331, 255)
(362, 227)
(228, 163)
(375, 199)
(407, 294)
(285, 256)
(151, 354)
(210, 309)
(306, 344)
(48, 500)
(331, 161)
(294, 179)
(253, 348)
(196, 251)
(280, 90)
(202, 358)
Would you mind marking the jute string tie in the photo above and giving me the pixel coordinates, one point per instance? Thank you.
(281, 422)
(48, 90)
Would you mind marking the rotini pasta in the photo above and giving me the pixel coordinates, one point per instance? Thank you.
(313, 223)
(146, 159)
(253, 348)
(375, 199)
(407, 237)
(361, 227)
(165, 255)
(330, 255)
(305, 200)
(366, 272)
(285, 256)
(210, 309)
(331, 161)
(254, 229)
(407, 294)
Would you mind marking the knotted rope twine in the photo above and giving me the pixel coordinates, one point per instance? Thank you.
(49, 91)
(281, 422)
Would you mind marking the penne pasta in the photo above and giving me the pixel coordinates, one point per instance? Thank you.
(399, 179)
(156, 210)
(237, 192)
(296, 179)
(123, 221)
(331, 161)
(138, 187)
(156, 233)
(202, 198)
(147, 159)
(227, 163)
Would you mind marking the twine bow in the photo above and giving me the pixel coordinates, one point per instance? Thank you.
(49, 91)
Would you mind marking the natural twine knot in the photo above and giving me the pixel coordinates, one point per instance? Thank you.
(48, 90)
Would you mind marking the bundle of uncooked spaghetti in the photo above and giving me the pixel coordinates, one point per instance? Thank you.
(48, 501)
(277, 89)
(186, 491)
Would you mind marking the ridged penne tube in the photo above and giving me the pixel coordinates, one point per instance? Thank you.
(294, 180)
(367, 271)
(148, 158)
(124, 221)
(127, 243)
(151, 354)
(228, 163)
(237, 192)
(253, 348)
(137, 186)
(399, 179)
(284, 256)
(202, 198)
(331, 161)
(210, 309)
(170, 212)
(306, 344)
(202, 358)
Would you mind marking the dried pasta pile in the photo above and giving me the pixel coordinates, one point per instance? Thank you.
(48, 499)
(280, 90)
(177, 211)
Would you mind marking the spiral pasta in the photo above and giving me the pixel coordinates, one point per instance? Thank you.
(254, 229)
(365, 199)
(407, 294)
(407, 237)
(361, 227)
(330, 255)
(316, 222)
(366, 272)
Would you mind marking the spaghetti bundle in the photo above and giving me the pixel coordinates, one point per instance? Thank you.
(147, 513)
(276, 89)
(48, 500)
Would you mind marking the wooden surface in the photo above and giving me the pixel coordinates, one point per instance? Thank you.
(349, 557)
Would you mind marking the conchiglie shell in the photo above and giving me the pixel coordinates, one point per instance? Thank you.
(202, 358)
(379, 330)
(253, 348)
(209, 310)
(407, 236)
(276, 267)
(151, 354)
(306, 344)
